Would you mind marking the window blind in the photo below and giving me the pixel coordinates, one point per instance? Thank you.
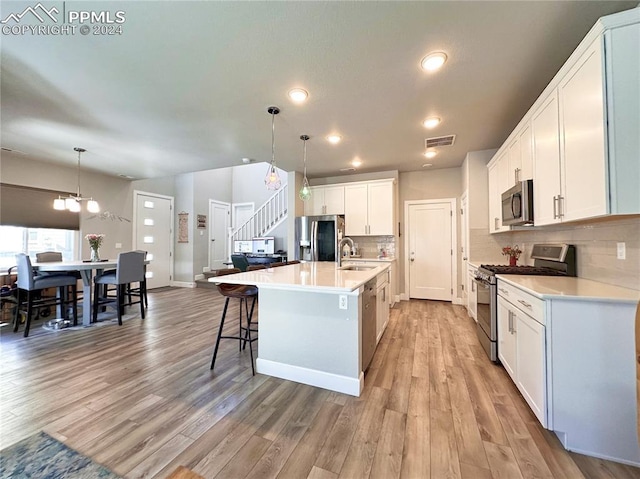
(33, 208)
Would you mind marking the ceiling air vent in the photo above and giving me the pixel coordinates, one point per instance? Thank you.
(439, 141)
(347, 169)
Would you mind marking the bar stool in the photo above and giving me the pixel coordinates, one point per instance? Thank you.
(244, 293)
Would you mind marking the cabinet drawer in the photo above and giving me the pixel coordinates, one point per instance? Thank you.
(528, 303)
(382, 279)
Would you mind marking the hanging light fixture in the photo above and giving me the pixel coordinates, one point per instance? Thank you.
(272, 180)
(72, 203)
(305, 191)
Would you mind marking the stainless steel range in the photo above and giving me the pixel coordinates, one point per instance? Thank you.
(549, 260)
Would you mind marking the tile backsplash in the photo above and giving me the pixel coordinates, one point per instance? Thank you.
(370, 246)
(595, 242)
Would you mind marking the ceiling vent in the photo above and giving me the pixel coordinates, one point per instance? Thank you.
(439, 141)
(347, 169)
(10, 150)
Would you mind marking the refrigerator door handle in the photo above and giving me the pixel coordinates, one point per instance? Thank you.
(314, 241)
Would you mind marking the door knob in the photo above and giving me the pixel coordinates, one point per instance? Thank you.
(464, 259)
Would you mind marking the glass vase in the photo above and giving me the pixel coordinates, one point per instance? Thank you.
(513, 261)
(95, 254)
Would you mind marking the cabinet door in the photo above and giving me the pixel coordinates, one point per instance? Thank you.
(530, 363)
(526, 154)
(506, 337)
(314, 206)
(581, 100)
(515, 162)
(546, 163)
(355, 210)
(472, 296)
(334, 200)
(380, 201)
(392, 284)
(495, 214)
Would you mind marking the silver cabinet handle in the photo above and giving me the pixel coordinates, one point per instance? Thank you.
(510, 322)
(495, 223)
(560, 206)
(555, 207)
(504, 291)
(524, 303)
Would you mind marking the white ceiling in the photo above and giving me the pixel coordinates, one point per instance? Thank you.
(187, 85)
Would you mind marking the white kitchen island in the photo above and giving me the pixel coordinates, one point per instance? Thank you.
(310, 323)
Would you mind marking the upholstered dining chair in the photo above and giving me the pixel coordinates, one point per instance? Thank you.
(129, 269)
(52, 257)
(240, 261)
(32, 285)
(244, 293)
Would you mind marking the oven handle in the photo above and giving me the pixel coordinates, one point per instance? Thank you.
(481, 281)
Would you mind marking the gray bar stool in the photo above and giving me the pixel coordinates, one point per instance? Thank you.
(243, 293)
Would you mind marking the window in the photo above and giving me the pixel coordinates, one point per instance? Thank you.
(17, 239)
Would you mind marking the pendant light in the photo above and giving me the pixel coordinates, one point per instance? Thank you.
(272, 180)
(305, 191)
(72, 203)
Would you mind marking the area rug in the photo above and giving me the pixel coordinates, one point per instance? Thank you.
(43, 457)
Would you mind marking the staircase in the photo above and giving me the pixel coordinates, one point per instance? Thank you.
(265, 219)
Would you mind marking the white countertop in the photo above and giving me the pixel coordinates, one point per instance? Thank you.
(324, 277)
(562, 287)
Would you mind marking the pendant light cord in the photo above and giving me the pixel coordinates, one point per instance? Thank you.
(273, 139)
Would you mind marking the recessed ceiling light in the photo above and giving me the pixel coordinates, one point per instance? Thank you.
(334, 139)
(431, 122)
(298, 95)
(433, 61)
(430, 154)
(356, 162)
(427, 165)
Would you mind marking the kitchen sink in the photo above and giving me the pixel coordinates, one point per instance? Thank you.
(355, 267)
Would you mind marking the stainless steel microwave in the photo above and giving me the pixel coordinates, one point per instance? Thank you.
(517, 204)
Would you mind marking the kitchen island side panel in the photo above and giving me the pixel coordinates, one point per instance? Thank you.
(308, 330)
(593, 369)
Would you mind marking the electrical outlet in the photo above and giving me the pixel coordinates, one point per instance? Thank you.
(118, 245)
(621, 251)
(342, 301)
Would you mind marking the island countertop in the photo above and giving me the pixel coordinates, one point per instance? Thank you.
(320, 276)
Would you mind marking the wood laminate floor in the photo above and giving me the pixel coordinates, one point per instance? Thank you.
(141, 400)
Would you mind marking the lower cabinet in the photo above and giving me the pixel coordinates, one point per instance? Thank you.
(382, 311)
(522, 351)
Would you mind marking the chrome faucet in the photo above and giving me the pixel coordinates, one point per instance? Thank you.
(344, 241)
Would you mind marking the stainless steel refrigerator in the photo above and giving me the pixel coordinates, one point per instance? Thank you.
(317, 237)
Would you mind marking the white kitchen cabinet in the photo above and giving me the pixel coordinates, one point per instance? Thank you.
(325, 200)
(498, 184)
(546, 162)
(369, 208)
(472, 293)
(522, 345)
(382, 309)
(520, 156)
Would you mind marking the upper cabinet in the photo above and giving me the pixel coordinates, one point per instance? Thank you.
(498, 184)
(369, 208)
(579, 142)
(325, 200)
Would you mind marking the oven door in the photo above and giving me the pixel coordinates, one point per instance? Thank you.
(487, 326)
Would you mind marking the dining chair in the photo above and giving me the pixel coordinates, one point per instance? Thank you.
(129, 269)
(244, 293)
(52, 257)
(240, 261)
(33, 285)
(141, 289)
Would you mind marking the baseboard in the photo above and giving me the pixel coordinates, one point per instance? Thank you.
(206, 269)
(404, 297)
(457, 301)
(199, 276)
(183, 284)
(312, 377)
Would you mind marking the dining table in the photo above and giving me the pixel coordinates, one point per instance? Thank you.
(86, 270)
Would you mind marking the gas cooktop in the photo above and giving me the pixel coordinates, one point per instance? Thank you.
(530, 270)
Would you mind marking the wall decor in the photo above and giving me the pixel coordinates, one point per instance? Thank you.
(183, 227)
(201, 222)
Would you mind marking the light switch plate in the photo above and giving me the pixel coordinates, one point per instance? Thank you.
(621, 251)
(118, 245)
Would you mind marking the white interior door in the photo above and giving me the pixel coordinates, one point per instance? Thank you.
(219, 213)
(242, 212)
(464, 249)
(430, 251)
(154, 234)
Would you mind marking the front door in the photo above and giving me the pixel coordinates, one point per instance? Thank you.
(430, 251)
(218, 234)
(154, 234)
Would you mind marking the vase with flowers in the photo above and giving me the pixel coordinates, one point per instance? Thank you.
(95, 240)
(513, 252)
